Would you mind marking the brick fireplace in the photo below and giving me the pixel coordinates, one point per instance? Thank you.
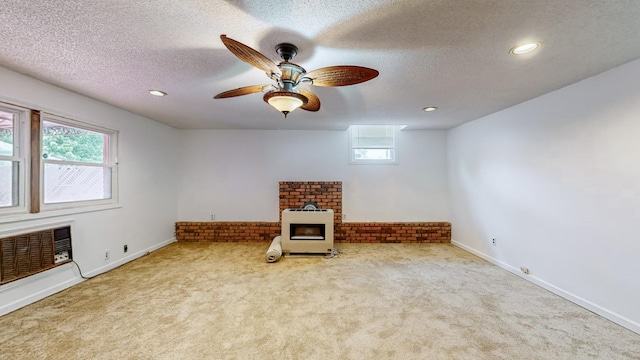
(328, 195)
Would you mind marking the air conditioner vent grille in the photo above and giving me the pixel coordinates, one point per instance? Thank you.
(26, 254)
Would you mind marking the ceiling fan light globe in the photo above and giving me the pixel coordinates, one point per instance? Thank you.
(285, 101)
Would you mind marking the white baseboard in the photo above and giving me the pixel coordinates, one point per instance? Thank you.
(124, 260)
(31, 298)
(618, 319)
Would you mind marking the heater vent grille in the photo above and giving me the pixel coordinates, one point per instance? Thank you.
(27, 254)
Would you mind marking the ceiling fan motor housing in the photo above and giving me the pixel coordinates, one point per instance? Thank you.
(291, 76)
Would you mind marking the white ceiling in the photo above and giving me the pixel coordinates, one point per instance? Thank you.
(450, 54)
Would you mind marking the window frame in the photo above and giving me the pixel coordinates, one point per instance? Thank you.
(21, 155)
(112, 163)
(352, 153)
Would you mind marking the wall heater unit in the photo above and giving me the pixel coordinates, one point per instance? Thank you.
(27, 254)
(307, 231)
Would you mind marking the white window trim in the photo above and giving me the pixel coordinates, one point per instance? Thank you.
(21, 141)
(113, 164)
(394, 161)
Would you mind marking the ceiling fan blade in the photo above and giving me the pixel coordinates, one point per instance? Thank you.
(314, 101)
(251, 56)
(241, 91)
(341, 75)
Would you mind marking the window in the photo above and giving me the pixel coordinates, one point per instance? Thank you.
(13, 122)
(373, 144)
(70, 164)
(78, 163)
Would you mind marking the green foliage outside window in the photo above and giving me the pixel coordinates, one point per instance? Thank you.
(6, 135)
(72, 144)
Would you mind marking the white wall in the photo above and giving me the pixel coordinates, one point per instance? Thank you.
(148, 191)
(556, 180)
(235, 174)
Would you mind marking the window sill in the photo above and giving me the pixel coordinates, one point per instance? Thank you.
(5, 219)
(373, 162)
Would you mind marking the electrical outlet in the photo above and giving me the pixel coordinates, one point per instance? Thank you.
(213, 217)
(126, 248)
(106, 254)
(344, 216)
(494, 242)
(524, 270)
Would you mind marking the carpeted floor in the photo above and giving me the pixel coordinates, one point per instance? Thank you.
(374, 301)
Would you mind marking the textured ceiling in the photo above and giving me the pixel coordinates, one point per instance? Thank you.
(450, 54)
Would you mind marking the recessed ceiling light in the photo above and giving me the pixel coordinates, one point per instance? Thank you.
(430, 108)
(157, 93)
(524, 48)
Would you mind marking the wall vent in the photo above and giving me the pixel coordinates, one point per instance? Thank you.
(27, 254)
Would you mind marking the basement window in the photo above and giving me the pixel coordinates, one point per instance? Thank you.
(373, 144)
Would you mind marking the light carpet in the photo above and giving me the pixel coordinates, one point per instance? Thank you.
(374, 301)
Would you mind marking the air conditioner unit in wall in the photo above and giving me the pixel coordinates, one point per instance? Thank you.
(27, 254)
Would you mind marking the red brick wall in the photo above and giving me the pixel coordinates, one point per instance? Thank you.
(227, 231)
(328, 195)
(422, 232)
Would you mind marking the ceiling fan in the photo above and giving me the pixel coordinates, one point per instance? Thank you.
(285, 95)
